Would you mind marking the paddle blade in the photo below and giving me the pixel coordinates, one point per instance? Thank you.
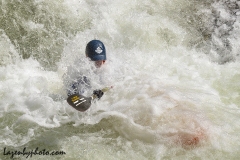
(79, 102)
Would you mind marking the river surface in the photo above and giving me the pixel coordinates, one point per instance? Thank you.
(173, 64)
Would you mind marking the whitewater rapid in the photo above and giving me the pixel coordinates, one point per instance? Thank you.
(174, 68)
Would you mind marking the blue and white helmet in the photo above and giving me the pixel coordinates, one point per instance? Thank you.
(95, 50)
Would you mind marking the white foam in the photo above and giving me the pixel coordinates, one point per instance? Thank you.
(165, 96)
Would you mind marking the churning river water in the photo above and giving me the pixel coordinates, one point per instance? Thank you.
(173, 64)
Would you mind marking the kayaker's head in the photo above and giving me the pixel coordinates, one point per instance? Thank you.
(96, 51)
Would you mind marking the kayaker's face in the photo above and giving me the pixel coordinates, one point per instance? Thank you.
(99, 63)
